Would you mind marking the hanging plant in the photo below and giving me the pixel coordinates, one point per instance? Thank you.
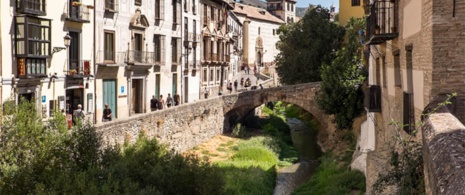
(76, 3)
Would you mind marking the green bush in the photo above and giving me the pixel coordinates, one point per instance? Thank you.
(331, 178)
(46, 158)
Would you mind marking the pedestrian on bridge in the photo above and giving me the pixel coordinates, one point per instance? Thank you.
(235, 85)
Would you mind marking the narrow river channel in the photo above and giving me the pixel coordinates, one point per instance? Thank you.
(305, 141)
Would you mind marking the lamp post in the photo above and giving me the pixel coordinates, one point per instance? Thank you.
(186, 55)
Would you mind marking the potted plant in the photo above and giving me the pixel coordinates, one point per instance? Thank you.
(377, 29)
(72, 72)
(76, 3)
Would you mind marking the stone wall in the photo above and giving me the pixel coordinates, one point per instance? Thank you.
(443, 150)
(181, 127)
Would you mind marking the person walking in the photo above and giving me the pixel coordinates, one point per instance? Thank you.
(206, 93)
(235, 85)
(242, 82)
(177, 99)
(169, 100)
(78, 115)
(106, 114)
(153, 103)
(261, 87)
(248, 70)
(161, 102)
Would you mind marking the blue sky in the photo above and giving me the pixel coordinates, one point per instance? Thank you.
(324, 3)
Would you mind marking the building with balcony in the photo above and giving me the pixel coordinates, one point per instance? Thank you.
(234, 29)
(138, 54)
(415, 53)
(259, 25)
(55, 74)
(215, 45)
(348, 9)
(191, 51)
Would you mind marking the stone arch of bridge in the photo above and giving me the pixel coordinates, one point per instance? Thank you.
(237, 106)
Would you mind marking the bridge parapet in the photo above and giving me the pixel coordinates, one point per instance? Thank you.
(443, 150)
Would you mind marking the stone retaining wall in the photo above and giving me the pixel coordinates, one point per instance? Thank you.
(181, 127)
(443, 150)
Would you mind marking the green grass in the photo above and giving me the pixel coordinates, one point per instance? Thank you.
(331, 178)
(252, 169)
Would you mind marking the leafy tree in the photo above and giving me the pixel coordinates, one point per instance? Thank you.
(304, 46)
(342, 80)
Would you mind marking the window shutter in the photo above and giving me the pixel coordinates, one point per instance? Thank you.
(178, 51)
(162, 9)
(162, 50)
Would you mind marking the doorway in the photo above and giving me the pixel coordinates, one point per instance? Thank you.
(74, 97)
(137, 94)
(109, 96)
(186, 89)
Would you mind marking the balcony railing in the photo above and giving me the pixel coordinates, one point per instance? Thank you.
(78, 67)
(34, 7)
(382, 22)
(373, 98)
(110, 57)
(143, 57)
(78, 13)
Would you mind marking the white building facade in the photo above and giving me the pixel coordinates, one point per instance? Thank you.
(47, 56)
(234, 29)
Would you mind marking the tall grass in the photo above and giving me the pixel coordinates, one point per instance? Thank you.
(252, 169)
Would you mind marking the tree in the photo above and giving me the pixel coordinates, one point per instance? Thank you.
(342, 80)
(304, 46)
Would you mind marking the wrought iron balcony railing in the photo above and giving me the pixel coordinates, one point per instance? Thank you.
(110, 57)
(373, 98)
(142, 57)
(78, 13)
(78, 68)
(382, 23)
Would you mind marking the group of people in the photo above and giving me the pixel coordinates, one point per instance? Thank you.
(160, 103)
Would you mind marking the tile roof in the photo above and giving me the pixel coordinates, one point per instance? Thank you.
(256, 13)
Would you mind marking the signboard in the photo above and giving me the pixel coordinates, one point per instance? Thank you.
(44, 99)
(122, 89)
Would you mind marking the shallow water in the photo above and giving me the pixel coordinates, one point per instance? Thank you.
(305, 141)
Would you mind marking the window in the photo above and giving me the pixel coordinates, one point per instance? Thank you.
(186, 6)
(274, 31)
(176, 12)
(159, 42)
(384, 72)
(194, 8)
(159, 9)
(218, 75)
(186, 28)
(73, 52)
(288, 9)
(32, 36)
(34, 7)
(138, 2)
(292, 7)
(397, 77)
(194, 58)
(355, 2)
(211, 74)
(109, 46)
(212, 14)
(175, 50)
(194, 30)
(110, 4)
(378, 72)
(258, 30)
(205, 78)
(205, 15)
(409, 111)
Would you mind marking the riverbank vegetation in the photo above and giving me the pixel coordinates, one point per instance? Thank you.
(39, 157)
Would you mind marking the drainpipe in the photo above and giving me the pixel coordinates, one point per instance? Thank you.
(95, 73)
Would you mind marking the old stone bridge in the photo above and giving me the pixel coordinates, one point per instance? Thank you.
(188, 125)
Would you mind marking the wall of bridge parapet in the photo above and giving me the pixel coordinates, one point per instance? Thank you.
(443, 150)
(180, 127)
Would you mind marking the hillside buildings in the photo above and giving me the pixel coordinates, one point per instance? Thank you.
(47, 56)
(415, 53)
(122, 53)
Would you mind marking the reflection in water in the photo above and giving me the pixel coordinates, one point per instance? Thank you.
(305, 141)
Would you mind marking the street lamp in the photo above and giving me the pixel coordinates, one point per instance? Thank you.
(67, 40)
(186, 55)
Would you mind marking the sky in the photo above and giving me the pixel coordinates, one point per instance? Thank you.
(324, 3)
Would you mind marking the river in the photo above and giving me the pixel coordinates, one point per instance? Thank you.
(305, 141)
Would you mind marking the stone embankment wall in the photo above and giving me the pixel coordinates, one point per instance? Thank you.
(443, 150)
(181, 127)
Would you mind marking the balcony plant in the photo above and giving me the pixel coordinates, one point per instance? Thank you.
(377, 29)
(76, 3)
(72, 72)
